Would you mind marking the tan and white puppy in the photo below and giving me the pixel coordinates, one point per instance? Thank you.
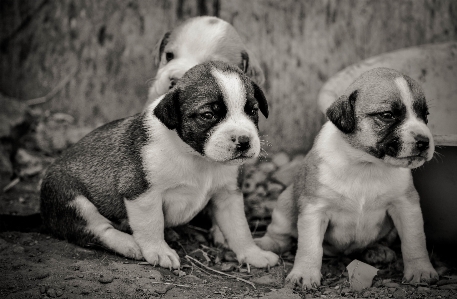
(195, 41)
(123, 183)
(355, 185)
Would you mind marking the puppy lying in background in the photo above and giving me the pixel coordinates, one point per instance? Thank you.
(355, 184)
(198, 40)
(159, 168)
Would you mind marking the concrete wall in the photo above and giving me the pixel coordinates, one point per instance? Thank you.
(96, 58)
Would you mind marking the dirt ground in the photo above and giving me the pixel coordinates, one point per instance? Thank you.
(35, 265)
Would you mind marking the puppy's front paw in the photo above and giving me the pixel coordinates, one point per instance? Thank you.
(417, 272)
(379, 254)
(307, 278)
(218, 237)
(270, 244)
(162, 255)
(257, 257)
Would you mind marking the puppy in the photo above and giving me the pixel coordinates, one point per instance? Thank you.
(159, 168)
(355, 184)
(195, 41)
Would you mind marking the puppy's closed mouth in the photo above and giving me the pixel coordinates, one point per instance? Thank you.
(408, 162)
(242, 157)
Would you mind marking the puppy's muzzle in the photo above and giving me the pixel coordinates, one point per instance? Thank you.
(173, 81)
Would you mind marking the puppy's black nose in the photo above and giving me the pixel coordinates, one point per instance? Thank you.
(243, 143)
(422, 142)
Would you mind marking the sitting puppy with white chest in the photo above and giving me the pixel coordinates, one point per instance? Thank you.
(195, 41)
(355, 185)
(159, 168)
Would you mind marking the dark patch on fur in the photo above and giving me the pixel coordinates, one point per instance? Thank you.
(244, 61)
(420, 107)
(163, 43)
(260, 97)
(389, 142)
(342, 114)
(105, 167)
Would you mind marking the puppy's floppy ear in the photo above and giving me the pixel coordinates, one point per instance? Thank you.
(260, 97)
(341, 113)
(161, 46)
(251, 67)
(167, 111)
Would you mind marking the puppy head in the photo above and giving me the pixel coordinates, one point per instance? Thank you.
(384, 113)
(195, 41)
(214, 109)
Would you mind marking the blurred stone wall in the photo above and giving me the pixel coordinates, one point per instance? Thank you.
(95, 59)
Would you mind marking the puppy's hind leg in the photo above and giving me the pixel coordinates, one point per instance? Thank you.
(103, 230)
(282, 228)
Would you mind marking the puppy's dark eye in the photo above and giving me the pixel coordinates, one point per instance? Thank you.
(207, 116)
(387, 115)
(426, 117)
(253, 110)
(169, 56)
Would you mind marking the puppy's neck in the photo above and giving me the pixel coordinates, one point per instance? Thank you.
(333, 148)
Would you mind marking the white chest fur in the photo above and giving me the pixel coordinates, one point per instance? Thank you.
(357, 191)
(180, 177)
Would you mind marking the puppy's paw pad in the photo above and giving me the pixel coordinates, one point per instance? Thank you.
(308, 279)
(163, 256)
(258, 258)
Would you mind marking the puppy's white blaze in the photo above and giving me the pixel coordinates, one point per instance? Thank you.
(102, 228)
(405, 92)
(412, 125)
(233, 90)
(220, 146)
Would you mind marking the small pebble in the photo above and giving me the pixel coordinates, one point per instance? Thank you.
(266, 279)
(345, 291)
(42, 289)
(267, 167)
(228, 267)
(446, 281)
(164, 289)
(179, 273)
(51, 293)
(399, 293)
(59, 292)
(448, 287)
(326, 292)
(106, 278)
(156, 275)
(80, 275)
(280, 159)
(42, 275)
(69, 277)
(18, 249)
(391, 285)
(423, 289)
